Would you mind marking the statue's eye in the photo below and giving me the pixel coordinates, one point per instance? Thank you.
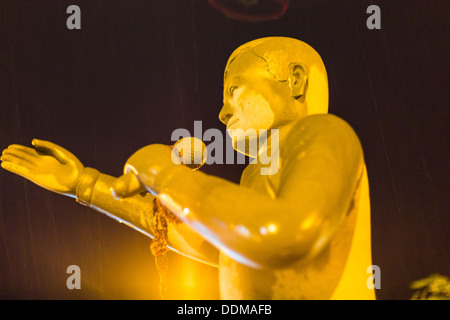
(232, 89)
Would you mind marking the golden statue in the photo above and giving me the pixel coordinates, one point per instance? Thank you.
(300, 233)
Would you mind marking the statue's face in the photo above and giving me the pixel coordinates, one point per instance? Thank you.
(253, 98)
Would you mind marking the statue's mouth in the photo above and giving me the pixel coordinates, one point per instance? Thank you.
(230, 123)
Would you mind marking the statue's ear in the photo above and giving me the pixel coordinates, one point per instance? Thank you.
(298, 79)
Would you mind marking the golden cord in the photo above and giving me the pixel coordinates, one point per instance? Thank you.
(158, 247)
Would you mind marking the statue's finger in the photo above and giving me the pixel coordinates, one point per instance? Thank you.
(16, 160)
(27, 150)
(20, 154)
(16, 168)
(47, 147)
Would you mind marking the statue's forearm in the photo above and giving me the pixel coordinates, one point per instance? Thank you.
(137, 212)
(94, 191)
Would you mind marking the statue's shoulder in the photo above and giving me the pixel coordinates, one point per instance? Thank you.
(325, 132)
(320, 121)
(318, 125)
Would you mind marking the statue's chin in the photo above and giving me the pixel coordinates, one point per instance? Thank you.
(249, 141)
(246, 145)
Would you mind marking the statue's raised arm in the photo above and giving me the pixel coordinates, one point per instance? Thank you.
(56, 169)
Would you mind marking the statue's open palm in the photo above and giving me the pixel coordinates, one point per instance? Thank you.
(47, 165)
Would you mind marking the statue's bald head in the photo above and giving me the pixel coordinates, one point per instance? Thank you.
(283, 56)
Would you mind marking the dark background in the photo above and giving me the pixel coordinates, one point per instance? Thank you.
(137, 70)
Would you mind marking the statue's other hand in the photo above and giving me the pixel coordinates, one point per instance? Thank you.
(145, 164)
(47, 165)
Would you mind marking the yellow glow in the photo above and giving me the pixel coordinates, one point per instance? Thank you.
(189, 278)
(308, 222)
(185, 212)
(272, 228)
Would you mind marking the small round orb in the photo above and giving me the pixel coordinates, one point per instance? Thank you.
(192, 152)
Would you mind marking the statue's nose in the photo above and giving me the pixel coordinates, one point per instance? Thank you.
(225, 114)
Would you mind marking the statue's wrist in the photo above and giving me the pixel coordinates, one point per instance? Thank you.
(86, 185)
